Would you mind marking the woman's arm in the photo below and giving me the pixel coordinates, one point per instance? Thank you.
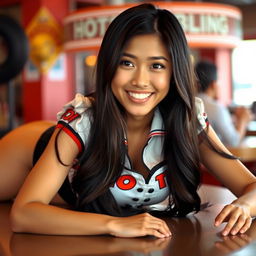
(235, 176)
(32, 213)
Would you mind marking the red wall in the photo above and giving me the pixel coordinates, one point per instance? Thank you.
(43, 97)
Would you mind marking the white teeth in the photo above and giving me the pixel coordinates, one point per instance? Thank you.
(139, 96)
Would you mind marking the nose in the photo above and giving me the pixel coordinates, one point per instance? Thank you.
(141, 77)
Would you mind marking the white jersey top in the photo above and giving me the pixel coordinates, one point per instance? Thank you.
(131, 190)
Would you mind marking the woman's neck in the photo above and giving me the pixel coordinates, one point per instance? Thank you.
(139, 124)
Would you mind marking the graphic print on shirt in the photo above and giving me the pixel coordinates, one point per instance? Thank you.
(70, 115)
(132, 190)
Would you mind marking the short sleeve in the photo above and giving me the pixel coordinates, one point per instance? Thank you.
(201, 115)
(75, 120)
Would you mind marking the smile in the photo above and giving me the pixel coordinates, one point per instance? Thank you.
(139, 96)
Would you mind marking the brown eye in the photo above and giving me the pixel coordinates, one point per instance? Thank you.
(126, 63)
(158, 66)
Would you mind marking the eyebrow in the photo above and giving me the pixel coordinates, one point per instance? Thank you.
(150, 58)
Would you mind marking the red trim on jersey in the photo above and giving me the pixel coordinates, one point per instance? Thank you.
(206, 119)
(156, 134)
(71, 134)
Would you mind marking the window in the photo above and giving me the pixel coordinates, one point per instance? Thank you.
(244, 73)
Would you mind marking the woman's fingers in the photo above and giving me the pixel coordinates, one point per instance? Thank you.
(241, 222)
(246, 226)
(163, 227)
(238, 218)
(233, 223)
(156, 227)
(139, 225)
(221, 217)
(154, 232)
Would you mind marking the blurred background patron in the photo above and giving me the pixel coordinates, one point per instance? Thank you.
(230, 127)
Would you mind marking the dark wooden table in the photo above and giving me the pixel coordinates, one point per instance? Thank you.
(194, 235)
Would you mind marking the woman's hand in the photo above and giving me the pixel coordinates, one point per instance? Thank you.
(238, 217)
(139, 225)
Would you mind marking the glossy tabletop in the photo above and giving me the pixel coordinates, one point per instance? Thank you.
(194, 235)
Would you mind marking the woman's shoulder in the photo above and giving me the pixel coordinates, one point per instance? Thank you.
(199, 104)
(76, 117)
(80, 103)
(75, 108)
(200, 111)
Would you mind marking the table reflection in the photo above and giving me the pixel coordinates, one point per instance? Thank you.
(98, 245)
(190, 237)
(186, 238)
(194, 235)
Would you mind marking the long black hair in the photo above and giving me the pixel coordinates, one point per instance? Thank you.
(103, 159)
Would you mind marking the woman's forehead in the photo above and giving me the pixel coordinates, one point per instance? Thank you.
(146, 45)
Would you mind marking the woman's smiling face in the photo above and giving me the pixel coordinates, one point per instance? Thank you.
(142, 79)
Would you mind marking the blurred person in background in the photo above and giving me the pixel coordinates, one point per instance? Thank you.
(231, 128)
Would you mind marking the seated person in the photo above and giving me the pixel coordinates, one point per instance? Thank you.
(230, 129)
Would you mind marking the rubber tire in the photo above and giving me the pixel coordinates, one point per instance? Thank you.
(17, 46)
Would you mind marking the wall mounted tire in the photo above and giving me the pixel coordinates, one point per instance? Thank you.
(17, 47)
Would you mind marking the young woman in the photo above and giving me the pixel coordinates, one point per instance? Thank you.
(132, 150)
